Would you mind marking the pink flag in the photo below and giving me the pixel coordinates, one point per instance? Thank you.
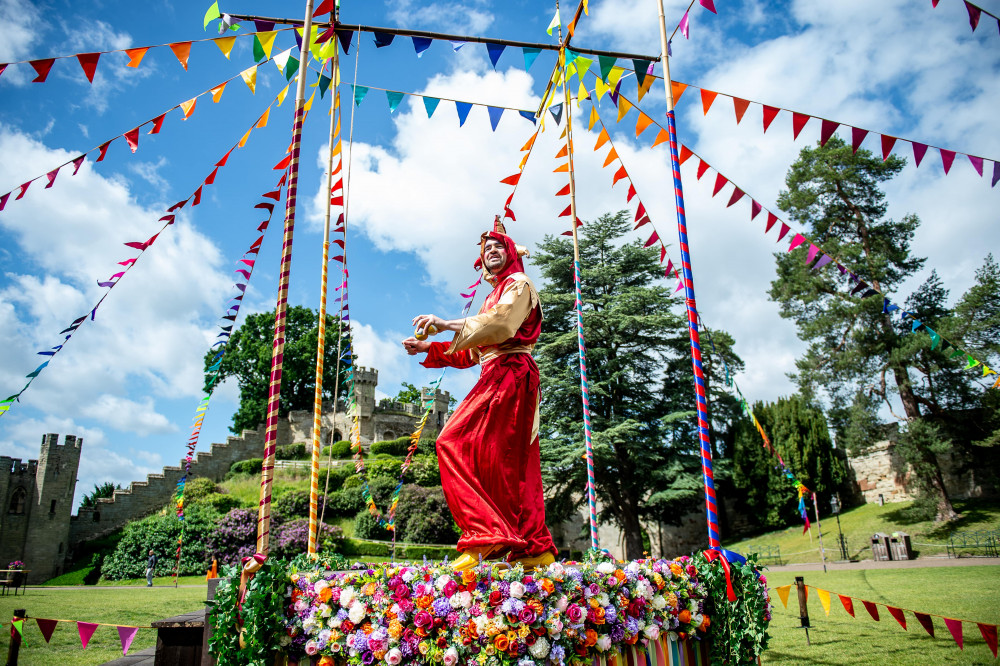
(813, 251)
(77, 163)
(86, 630)
(652, 239)
(974, 14)
(709, 5)
(977, 163)
(684, 26)
(24, 189)
(51, 175)
(955, 627)
(755, 209)
(125, 635)
(797, 239)
(947, 157)
(919, 149)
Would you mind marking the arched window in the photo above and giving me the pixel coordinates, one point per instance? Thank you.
(17, 501)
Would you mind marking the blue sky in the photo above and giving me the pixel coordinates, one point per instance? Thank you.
(421, 190)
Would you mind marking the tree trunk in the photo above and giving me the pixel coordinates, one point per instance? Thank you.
(633, 533)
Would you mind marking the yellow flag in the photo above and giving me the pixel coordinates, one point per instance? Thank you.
(281, 95)
(188, 107)
(314, 48)
(582, 65)
(581, 94)
(217, 91)
(824, 598)
(337, 148)
(524, 160)
(336, 130)
(586, 9)
(225, 45)
(309, 103)
(646, 85)
(250, 78)
(600, 87)
(262, 122)
(614, 75)
(327, 48)
(266, 40)
(593, 118)
(783, 594)
(624, 106)
(246, 136)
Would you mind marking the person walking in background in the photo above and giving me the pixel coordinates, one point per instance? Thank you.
(150, 565)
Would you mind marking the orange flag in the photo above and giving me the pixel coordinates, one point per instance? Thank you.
(602, 138)
(182, 50)
(624, 106)
(707, 98)
(561, 167)
(677, 89)
(188, 107)
(529, 143)
(263, 118)
(783, 594)
(612, 156)
(135, 55)
(662, 137)
(563, 152)
(217, 91)
(641, 124)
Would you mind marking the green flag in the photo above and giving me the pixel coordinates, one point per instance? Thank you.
(212, 14)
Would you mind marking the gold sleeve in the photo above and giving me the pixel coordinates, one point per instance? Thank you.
(500, 322)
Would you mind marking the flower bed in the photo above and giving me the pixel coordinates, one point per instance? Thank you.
(567, 613)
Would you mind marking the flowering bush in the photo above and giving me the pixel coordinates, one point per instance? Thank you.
(429, 614)
(16, 565)
(292, 538)
(235, 536)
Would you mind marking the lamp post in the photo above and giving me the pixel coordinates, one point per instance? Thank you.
(835, 506)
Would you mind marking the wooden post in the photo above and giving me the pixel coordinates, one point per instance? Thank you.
(15, 639)
(800, 586)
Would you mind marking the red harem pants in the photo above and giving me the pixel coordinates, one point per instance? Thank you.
(490, 466)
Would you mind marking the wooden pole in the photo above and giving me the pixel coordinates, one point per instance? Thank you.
(800, 587)
(819, 530)
(14, 647)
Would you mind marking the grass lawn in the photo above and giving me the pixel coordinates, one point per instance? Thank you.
(966, 593)
(859, 524)
(137, 606)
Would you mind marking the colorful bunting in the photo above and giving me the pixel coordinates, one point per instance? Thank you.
(88, 61)
(182, 51)
(86, 630)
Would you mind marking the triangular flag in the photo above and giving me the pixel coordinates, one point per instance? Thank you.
(250, 78)
(42, 68)
(737, 195)
(676, 90)
(217, 92)
(887, 143)
(783, 594)
(46, 627)
(262, 121)
(86, 630)
(947, 157)
(602, 138)
(265, 40)
(394, 99)
(709, 5)
(955, 627)
(225, 45)
(871, 608)
(88, 61)
(188, 107)
(624, 106)
(621, 173)
(463, 109)
(702, 167)
(182, 51)
(495, 113)
(685, 26)
(707, 99)
(661, 137)
(51, 175)
(977, 163)
(612, 156)
(857, 137)
(898, 614)
(769, 113)
(345, 37)
(430, 104)
(989, 632)
(996, 174)
(827, 128)
(132, 137)
(720, 182)
(652, 239)
(126, 635)
(974, 14)
(919, 149)
(212, 13)
(606, 63)
(135, 55)
(824, 600)
(740, 107)
(421, 44)
(324, 7)
(383, 39)
(553, 23)
(494, 51)
(848, 604)
(813, 251)
(556, 111)
(823, 261)
(529, 56)
(359, 94)
(926, 622)
(755, 209)
(685, 154)
(782, 233)
(797, 240)
(641, 124)
(799, 121)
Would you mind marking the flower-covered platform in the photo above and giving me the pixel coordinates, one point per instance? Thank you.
(601, 611)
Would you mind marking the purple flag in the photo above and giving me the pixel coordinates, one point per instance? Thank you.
(684, 26)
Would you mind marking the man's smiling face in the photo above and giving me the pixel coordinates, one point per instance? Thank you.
(494, 255)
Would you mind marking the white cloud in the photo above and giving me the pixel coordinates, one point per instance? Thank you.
(455, 17)
(22, 27)
(139, 417)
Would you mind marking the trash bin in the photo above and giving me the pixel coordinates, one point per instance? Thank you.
(880, 547)
(899, 546)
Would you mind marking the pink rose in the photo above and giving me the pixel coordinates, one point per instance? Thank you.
(422, 618)
(574, 613)
(393, 657)
(450, 588)
(526, 616)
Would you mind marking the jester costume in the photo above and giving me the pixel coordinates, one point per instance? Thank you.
(488, 450)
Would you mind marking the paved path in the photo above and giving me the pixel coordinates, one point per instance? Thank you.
(904, 564)
(105, 587)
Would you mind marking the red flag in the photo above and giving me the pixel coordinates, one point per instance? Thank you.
(24, 189)
(564, 191)
(871, 608)
(157, 124)
(621, 173)
(211, 177)
(771, 219)
(955, 627)
(989, 632)
(88, 61)
(132, 137)
(707, 99)
(640, 211)
(848, 604)
(857, 136)
(197, 196)
(887, 143)
(919, 149)
(769, 113)
(740, 107)
(652, 239)
(644, 220)
(755, 209)
(947, 158)
(685, 154)
(104, 151)
(77, 163)
(702, 167)
(46, 627)
(926, 622)
(325, 7)
(3, 200)
(51, 175)
(826, 131)
(511, 180)
(974, 14)
(720, 182)
(898, 614)
(42, 68)
(567, 212)
(781, 234)
(283, 163)
(631, 193)
(799, 121)
(737, 195)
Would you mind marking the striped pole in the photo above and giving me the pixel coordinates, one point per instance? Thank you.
(689, 299)
(584, 389)
(321, 339)
(278, 350)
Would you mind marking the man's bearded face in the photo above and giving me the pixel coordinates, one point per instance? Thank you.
(494, 256)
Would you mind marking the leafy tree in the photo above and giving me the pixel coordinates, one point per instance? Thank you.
(642, 472)
(106, 489)
(248, 358)
(408, 394)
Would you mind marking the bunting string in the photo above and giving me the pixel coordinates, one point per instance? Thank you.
(126, 632)
(462, 108)
(131, 137)
(194, 199)
(975, 14)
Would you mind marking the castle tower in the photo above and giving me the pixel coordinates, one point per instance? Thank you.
(47, 539)
(17, 491)
(366, 379)
(439, 410)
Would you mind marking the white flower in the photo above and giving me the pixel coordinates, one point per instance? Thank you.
(632, 567)
(320, 586)
(393, 657)
(557, 569)
(450, 657)
(603, 599)
(347, 596)
(325, 611)
(652, 632)
(480, 621)
(408, 575)
(517, 589)
(605, 568)
(455, 601)
(357, 612)
(540, 649)
(441, 581)
(693, 606)
(697, 619)
(659, 603)
(466, 598)
(604, 643)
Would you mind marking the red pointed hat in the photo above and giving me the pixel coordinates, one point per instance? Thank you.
(513, 250)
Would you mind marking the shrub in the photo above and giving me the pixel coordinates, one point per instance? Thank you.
(159, 533)
(198, 488)
(297, 451)
(292, 538)
(394, 447)
(422, 516)
(249, 467)
(235, 536)
(295, 504)
(424, 471)
(366, 527)
(344, 503)
(338, 450)
(352, 481)
(337, 476)
(222, 503)
(355, 548)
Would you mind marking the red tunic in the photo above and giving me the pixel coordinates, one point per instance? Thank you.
(488, 450)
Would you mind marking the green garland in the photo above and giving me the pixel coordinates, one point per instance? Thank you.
(262, 616)
(739, 628)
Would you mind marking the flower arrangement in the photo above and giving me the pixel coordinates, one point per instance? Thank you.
(16, 565)
(565, 613)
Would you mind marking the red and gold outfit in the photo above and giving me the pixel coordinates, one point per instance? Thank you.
(488, 450)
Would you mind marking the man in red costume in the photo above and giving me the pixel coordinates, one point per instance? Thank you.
(488, 450)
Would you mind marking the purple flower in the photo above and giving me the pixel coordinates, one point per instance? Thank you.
(441, 607)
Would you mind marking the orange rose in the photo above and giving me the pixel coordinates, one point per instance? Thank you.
(535, 605)
(591, 639)
(598, 615)
(367, 627)
(468, 576)
(395, 629)
(705, 624)
(424, 601)
(501, 642)
(684, 616)
(620, 575)
(676, 569)
(325, 594)
(547, 585)
(326, 661)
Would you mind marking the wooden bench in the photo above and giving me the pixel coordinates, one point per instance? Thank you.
(987, 541)
(12, 579)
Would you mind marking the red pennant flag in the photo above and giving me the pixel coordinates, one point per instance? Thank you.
(567, 212)
(887, 143)
(511, 180)
(77, 163)
(709, 5)
(898, 614)
(182, 51)
(955, 627)
(685, 154)
(755, 209)
(211, 177)
(644, 220)
(631, 193)
(989, 632)
(769, 113)
(702, 167)
(507, 212)
(325, 7)
(977, 163)
(3, 200)
(871, 608)
(974, 14)
(781, 234)
(720, 182)
(157, 124)
(670, 267)
(177, 206)
(225, 158)
(826, 131)
(934, 3)
(707, 99)
(88, 61)
(737, 195)
(197, 196)
(799, 121)
(926, 622)
(132, 137)
(618, 176)
(46, 627)
(104, 151)
(771, 219)
(848, 604)
(86, 630)
(283, 163)
(740, 107)
(857, 136)
(51, 175)
(274, 194)
(947, 157)
(652, 239)
(640, 211)
(3, 68)
(24, 189)
(919, 150)
(564, 191)
(42, 68)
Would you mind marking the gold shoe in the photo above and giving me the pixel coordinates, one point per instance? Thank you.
(470, 558)
(536, 562)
